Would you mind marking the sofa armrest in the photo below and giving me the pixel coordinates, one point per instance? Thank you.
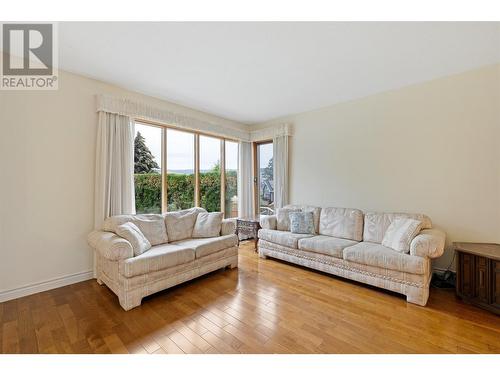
(268, 222)
(228, 227)
(428, 243)
(110, 245)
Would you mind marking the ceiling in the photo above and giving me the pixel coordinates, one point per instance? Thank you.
(254, 72)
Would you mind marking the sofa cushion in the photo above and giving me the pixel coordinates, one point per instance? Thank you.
(180, 224)
(282, 237)
(302, 222)
(400, 234)
(208, 224)
(376, 224)
(283, 218)
(374, 254)
(206, 246)
(327, 245)
(228, 226)
(341, 222)
(158, 258)
(305, 208)
(151, 225)
(133, 234)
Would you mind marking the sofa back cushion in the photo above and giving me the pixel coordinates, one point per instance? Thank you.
(208, 224)
(376, 223)
(151, 225)
(283, 218)
(341, 222)
(316, 211)
(180, 224)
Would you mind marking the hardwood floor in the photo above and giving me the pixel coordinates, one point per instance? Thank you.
(265, 306)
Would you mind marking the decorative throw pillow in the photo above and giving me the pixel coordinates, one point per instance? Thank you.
(208, 224)
(133, 234)
(283, 218)
(400, 234)
(302, 222)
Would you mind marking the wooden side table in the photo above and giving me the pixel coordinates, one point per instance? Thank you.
(248, 226)
(478, 274)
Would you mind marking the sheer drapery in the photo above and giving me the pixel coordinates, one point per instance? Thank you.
(114, 173)
(245, 180)
(280, 173)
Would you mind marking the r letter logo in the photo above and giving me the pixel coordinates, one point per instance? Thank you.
(29, 59)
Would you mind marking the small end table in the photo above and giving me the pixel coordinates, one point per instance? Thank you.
(248, 226)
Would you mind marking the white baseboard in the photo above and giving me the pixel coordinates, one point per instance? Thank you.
(7, 295)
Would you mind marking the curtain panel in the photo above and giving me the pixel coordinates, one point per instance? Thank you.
(245, 180)
(280, 173)
(114, 173)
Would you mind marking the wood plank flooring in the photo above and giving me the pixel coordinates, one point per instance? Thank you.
(264, 306)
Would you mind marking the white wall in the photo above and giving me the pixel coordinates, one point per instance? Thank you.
(47, 159)
(431, 148)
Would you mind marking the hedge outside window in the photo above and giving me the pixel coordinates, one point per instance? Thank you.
(147, 169)
(210, 173)
(231, 161)
(180, 170)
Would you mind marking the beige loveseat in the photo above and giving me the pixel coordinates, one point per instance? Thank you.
(174, 258)
(347, 243)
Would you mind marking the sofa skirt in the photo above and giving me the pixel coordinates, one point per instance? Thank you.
(415, 287)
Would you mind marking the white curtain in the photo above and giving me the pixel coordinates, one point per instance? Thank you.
(114, 175)
(245, 181)
(280, 174)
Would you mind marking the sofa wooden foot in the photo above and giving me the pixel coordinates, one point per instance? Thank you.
(262, 256)
(233, 265)
(128, 302)
(99, 281)
(419, 298)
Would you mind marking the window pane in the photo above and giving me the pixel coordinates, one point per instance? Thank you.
(147, 169)
(210, 186)
(266, 186)
(231, 199)
(180, 170)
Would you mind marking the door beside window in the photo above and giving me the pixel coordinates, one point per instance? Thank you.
(264, 178)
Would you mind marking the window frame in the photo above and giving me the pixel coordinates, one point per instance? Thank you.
(164, 157)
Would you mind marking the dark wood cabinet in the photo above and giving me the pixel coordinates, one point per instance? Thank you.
(478, 274)
(495, 282)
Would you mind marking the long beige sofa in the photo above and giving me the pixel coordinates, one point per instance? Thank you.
(347, 243)
(174, 258)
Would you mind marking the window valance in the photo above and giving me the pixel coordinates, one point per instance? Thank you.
(271, 132)
(142, 111)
